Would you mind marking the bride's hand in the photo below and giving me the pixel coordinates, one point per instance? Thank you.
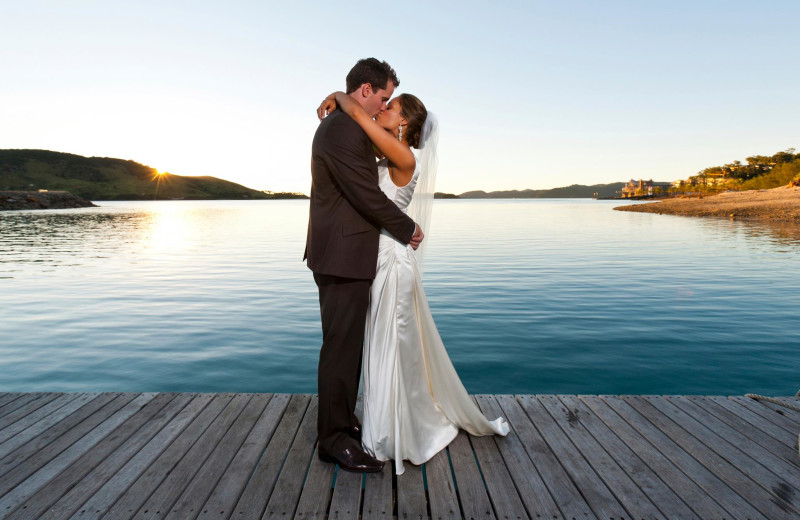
(327, 106)
(416, 238)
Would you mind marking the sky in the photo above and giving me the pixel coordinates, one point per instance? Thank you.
(529, 94)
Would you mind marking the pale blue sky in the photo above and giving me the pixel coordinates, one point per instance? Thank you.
(530, 94)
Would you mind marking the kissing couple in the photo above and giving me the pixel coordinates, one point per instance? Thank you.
(365, 232)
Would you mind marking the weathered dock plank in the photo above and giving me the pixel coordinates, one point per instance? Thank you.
(626, 491)
(27, 480)
(787, 411)
(22, 463)
(559, 484)
(599, 498)
(505, 500)
(733, 475)
(441, 488)
(471, 490)
(160, 502)
(52, 440)
(7, 398)
(230, 456)
(17, 425)
(40, 502)
(27, 408)
(533, 492)
(647, 496)
(346, 497)
(734, 505)
(316, 492)
(289, 486)
(723, 442)
(134, 497)
(231, 485)
(101, 501)
(768, 434)
(349, 487)
(737, 433)
(791, 401)
(689, 494)
(112, 465)
(205, 480)
(411, 496)
(260, 487)
(768, 411)
(24, 430)
(18, 402)
(378, 496)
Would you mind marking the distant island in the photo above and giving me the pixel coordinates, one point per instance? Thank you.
(105, 178)
(575, 191)
(440, 195)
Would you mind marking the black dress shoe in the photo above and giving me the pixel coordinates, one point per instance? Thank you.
(354, 432)
(353, 459)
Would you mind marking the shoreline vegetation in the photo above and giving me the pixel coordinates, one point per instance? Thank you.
(767, 188)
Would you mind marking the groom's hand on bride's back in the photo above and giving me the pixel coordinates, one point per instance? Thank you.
(416, 238)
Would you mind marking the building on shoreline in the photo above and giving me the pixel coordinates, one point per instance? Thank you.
(643, 188)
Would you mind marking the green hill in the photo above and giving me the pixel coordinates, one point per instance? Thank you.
(104, 178)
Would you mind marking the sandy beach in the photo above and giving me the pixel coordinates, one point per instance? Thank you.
(778, 204)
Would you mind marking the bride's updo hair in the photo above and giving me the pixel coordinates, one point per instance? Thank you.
(416, 113)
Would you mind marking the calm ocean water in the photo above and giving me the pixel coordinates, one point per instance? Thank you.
(530, 296)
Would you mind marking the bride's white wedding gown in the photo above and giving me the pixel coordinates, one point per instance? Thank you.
(414, 402)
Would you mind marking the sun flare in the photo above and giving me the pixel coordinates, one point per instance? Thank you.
(159, 177)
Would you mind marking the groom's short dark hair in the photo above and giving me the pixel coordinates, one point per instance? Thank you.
(369, 70)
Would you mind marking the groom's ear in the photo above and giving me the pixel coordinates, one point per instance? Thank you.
(366, 90)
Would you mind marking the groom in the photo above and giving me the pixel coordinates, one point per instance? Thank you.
(348, 209)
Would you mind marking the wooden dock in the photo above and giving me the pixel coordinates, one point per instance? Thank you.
(252, 456)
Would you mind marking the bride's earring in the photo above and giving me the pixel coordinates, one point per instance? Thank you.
(400, 131)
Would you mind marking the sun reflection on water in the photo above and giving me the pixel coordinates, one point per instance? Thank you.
(170, 228)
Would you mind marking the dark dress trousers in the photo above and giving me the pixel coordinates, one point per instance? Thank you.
(346, 213)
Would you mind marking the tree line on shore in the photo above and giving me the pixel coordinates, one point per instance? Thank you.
(758, 172)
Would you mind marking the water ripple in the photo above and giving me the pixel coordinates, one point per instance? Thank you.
(530, 297)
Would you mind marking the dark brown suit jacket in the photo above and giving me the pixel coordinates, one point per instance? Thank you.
(348, 209)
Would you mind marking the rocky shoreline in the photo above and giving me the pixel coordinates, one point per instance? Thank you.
(777, 205)
(22, 200)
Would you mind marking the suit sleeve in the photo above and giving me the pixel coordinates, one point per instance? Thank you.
(355, 177)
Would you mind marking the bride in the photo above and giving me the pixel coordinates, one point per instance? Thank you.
(414, 401)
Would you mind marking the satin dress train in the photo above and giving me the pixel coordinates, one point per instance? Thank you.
(414, 401)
